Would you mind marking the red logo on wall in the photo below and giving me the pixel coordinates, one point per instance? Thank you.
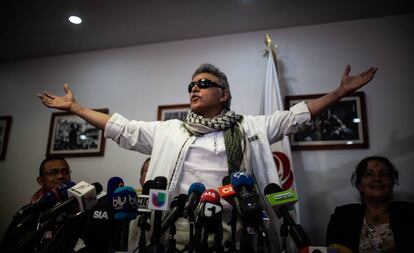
(283, 169)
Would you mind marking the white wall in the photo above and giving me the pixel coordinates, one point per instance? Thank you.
(135, 80)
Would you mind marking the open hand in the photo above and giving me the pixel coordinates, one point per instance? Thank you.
(353, 83)
(63, 103)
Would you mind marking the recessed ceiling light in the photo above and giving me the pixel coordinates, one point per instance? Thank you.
(75, 20)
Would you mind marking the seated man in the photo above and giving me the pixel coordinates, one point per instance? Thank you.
(53, 171)
(20, 236)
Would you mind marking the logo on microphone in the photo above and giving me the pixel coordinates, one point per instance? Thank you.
(240, 174)
(159, 200)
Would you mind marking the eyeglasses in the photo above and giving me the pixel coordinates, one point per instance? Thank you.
(203, 84)
(56, 172)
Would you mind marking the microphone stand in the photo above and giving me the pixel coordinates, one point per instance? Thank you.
(233, 224)
(261, 238)
(172, 243)
(144, 226)
(246, 243)
(191, 221)
(284, 234)
(218, 238)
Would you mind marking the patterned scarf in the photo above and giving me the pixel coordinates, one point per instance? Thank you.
(227, 121)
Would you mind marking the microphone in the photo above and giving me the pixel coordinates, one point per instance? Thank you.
(194, 194)
(143, 202)
(249, 208)
(176, 211)
(19, 233)
(85, 197)
(209, 220)
(209, 204)
(227, 192)
(158, 202)
(81, 195)
(99, 227)
(113, 183)
(100, 221)
(280, 200)
(125, 206)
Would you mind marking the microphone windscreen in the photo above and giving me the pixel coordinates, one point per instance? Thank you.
(272, 188)
(113, 183)
(62, 189)
(179, 201)
(239, 179)
(226, 180)
(196, 187)
(160, 183)
(210, 195)
(98, 187)
(147, 186)
(125, 203)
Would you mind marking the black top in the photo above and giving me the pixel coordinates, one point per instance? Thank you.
(346, 222)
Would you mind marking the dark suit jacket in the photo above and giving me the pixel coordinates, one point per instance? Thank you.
(346, 223)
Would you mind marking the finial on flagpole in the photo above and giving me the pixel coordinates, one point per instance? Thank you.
(268, 41)
(270, 47)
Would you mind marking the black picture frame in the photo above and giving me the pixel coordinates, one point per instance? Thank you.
(71, 136)
(342, 125)
(5, 125)
(177, 111)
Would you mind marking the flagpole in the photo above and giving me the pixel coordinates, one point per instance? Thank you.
(273, 101)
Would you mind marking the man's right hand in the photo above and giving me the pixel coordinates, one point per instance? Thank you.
(65, 103)
(69, 104)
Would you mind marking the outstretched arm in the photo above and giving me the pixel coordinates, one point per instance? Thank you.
(348, 84)
(69, 104)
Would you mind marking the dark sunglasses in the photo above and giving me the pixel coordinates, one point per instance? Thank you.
(203, 84)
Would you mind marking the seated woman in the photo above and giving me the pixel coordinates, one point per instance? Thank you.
(378, 224)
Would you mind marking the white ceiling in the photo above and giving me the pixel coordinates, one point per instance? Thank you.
(39, 28)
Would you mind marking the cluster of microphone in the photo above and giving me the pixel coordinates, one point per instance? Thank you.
(103, 222)
(42, 226)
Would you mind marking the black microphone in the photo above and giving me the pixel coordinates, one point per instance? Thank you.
(100, 221)
(194, 194)
(248, 200)
(176, 211)
(160, 183)
(25, 220)
(82, 196)
(208, 221)
(280, 200)
(125, 205)
(145, 214)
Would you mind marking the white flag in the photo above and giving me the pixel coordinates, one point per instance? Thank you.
(273, 101)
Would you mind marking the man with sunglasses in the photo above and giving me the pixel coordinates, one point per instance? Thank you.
(53, 171)
(212, 141)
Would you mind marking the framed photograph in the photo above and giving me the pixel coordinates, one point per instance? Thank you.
(341, 126)
(71, 136)
(167, 112)
(5, 124)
